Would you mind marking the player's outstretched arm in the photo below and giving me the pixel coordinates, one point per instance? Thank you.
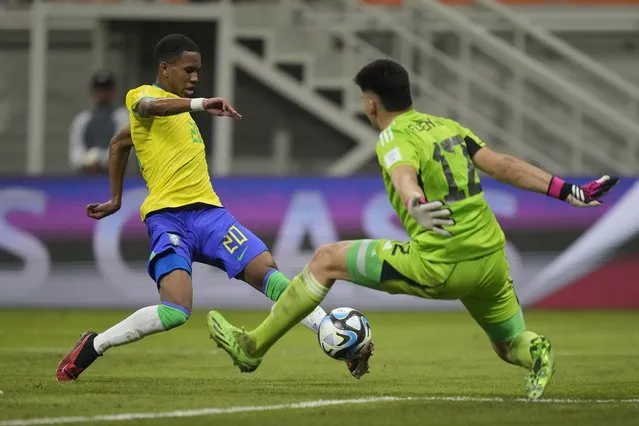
(521, 174)
(162, 107)
(119, 151)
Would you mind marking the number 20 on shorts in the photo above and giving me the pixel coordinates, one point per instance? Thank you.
(233, 239)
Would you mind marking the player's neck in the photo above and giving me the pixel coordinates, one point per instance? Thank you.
(162, 86)
(386, 118)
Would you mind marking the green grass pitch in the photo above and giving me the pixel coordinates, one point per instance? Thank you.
(426, 356)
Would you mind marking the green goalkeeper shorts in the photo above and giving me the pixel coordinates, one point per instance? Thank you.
(483, 285)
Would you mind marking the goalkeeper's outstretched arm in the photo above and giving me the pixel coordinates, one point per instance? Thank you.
(516, 172)
(512, 170)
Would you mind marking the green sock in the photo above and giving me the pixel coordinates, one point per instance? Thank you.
(519, 351)
(274, 285)
(302, 295)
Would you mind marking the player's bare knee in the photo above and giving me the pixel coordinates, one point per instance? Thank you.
(270, 262)
(257, 269)
(176, 289)
(324, 260)
(181, 301)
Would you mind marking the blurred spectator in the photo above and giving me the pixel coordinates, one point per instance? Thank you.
(15, 3)
(92, 130)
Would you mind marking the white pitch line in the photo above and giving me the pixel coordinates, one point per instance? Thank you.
(293, 406)
(595, 354)
(579, 401)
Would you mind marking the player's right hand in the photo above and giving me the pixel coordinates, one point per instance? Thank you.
(220, 107)
(101, 210)
(432, 216)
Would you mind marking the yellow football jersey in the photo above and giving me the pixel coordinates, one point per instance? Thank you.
(171, 156)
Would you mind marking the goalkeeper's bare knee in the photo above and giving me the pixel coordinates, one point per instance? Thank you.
(329, 263)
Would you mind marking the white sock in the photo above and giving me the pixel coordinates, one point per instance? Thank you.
(141, 323)
(312, 321)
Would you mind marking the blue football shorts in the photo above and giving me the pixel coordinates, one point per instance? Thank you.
(200, 233)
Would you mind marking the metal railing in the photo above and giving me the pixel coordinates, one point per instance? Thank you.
(600, 75)
(549, 118)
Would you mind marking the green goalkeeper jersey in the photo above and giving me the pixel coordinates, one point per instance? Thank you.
(438, 149)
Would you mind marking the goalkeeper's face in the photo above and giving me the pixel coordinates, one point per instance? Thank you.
(370, 107)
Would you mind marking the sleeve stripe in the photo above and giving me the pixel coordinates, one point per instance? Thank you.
(382, 137)
(387, 136)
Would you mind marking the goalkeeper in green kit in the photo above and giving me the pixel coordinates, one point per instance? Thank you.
(456, 248)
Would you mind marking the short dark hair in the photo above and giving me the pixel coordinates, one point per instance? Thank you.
(103, 79)
(388, 80)
(173, 46)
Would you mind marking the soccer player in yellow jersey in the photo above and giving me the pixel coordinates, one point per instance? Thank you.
(184, 216)
(456, 248)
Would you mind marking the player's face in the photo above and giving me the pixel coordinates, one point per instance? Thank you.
(369, 105)
(183, 74)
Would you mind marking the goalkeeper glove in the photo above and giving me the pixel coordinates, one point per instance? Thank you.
(431, 216)
(586, 195)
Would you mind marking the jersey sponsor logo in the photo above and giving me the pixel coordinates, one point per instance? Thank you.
(392, 157)
(175, 239)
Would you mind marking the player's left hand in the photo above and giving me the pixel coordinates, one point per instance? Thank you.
(219, 107)
(359, 367)
(588, 195)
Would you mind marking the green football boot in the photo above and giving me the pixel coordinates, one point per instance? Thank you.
(233, 340)
(543, 367)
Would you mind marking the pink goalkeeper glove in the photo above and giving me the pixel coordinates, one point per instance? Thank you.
(586, 195)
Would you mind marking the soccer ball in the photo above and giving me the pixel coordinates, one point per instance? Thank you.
(344, 333)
